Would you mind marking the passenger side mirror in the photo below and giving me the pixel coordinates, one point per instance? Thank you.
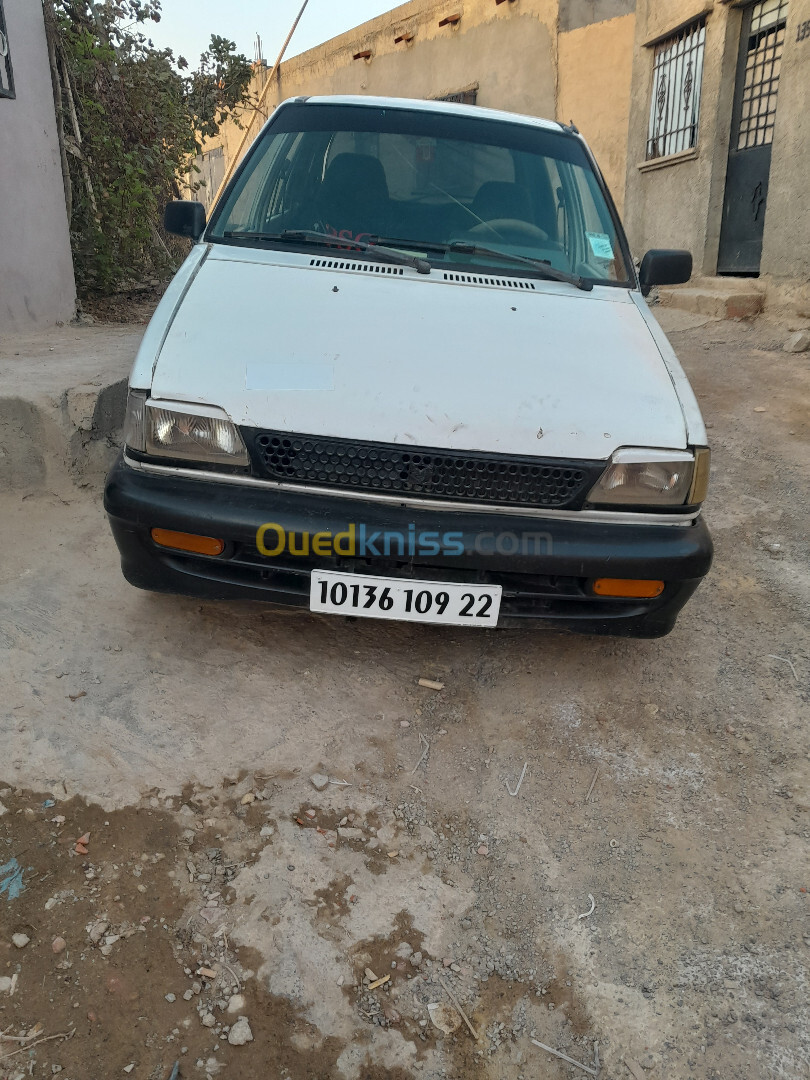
(184, 218)
(661, 266)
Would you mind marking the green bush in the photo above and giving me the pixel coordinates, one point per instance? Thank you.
(133, 119)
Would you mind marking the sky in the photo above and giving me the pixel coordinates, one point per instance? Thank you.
(187, 25)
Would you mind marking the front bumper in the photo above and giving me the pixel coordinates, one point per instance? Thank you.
(546, 579)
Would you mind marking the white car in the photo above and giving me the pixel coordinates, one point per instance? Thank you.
(408, 372)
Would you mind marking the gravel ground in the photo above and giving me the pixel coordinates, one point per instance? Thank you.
(174, 868)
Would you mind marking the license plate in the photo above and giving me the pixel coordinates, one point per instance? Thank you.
(410, 601)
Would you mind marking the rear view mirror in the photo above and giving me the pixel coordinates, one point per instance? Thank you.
(185, 218)
(662, 266)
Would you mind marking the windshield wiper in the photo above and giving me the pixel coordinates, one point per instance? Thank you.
(422, 266)
(459, 247)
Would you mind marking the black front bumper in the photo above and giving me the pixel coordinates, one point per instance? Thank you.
(547, 578)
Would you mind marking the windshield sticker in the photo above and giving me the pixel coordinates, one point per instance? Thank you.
(600, 245)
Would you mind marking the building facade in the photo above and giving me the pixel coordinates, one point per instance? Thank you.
(719, 139)
(37, 288)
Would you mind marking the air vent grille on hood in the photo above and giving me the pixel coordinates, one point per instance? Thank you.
(365, 268)
(500, 283)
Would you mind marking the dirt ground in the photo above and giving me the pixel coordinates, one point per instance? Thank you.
(662, 923)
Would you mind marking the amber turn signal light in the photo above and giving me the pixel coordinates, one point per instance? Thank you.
(628, 588)
(180, 541)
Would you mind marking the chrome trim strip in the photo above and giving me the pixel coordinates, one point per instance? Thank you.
(604, 517)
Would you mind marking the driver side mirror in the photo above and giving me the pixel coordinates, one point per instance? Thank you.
(662, 266)
(184, 218)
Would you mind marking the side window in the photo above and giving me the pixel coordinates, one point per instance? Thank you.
(6, 73)
(595, 241)
(260, 187)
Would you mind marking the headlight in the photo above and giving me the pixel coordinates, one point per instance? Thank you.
(203, 433)
(653, 478)
(194, 433)
(134, 433)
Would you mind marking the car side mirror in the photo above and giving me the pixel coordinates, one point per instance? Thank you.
(662, 266)
(184, 218)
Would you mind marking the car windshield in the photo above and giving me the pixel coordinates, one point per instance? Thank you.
(457, 190)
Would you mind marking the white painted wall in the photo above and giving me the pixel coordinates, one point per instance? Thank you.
(37, 288)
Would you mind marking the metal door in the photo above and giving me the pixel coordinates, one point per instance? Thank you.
(752, 123)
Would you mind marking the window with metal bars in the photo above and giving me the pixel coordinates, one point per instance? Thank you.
(677, 77)
(766, 39)
(6, 74)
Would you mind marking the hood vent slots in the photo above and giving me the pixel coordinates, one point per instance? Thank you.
(364, 268)
(499, 283)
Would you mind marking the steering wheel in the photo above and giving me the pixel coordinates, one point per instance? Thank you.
(511, 230)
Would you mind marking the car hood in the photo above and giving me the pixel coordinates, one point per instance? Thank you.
(369, 351)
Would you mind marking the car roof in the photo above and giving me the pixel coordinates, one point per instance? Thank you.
(452, 108)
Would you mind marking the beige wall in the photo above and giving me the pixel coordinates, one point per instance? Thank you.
(594, 91)
(36, 269)
(522, 56)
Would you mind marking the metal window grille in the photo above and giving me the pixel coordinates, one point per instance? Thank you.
(6, 74)
(675, 106)
(465, 97)
(762, 68)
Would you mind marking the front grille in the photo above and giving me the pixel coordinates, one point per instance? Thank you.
(412, 471)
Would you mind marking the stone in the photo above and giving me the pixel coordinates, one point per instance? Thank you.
(128, 1068)
(188, 995)
(5, 984)
(444, 1017)
(208, 1020)
(319, 781)
(236, 1003)
(416, 959)
(59, 944)
(240, 1033)
(266, 830)
(171, 998)
(98, 930)
(20, 940)
(349, 833)
(798, 342)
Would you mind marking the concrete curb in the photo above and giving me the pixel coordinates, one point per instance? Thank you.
(62, 403)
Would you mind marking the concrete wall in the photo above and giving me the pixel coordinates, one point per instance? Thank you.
(36, 270)
(593, 89)
(786, 248)
(673, 202)
(551, 58)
